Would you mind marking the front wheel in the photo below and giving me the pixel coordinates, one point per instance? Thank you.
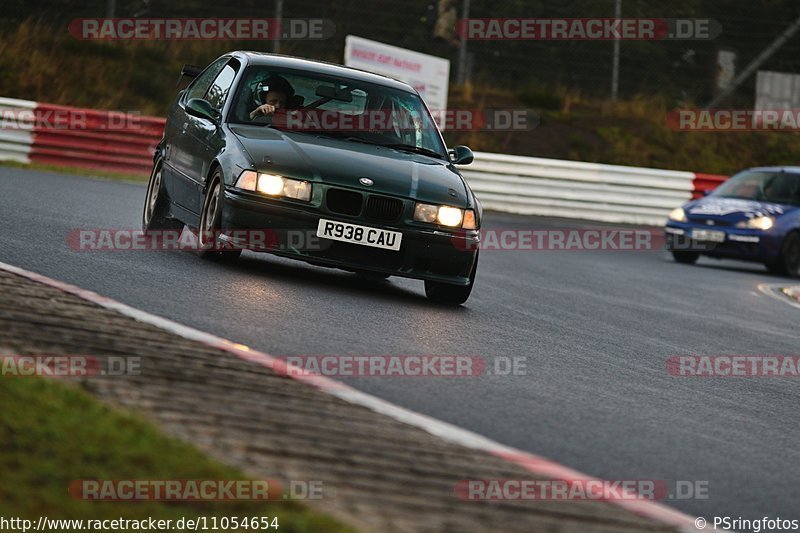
(155, 215)
(208, 245)
(788, 262)
(448, 294)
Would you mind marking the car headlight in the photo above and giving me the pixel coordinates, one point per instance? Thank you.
(762, 223)
(445, 215)
(274, 185)
(678, 215)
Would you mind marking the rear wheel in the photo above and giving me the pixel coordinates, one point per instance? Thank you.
(788, 262)
(448, 294)
(208, 245)
(686, 258)
(155, 214)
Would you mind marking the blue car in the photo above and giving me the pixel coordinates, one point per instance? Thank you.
(754, 216)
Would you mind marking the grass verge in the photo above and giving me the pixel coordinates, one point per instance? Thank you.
(54, 434)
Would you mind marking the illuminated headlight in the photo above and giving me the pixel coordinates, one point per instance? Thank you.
(274, 185)
(450, 216)
(762, 223)
(445, 215)
(678, 215)
(270, 184)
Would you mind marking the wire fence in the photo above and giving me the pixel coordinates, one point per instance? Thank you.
(679, 70)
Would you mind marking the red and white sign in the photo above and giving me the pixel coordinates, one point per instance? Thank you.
(430, 75)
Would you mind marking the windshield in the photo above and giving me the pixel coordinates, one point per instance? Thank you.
(336, 107)
(776, 187)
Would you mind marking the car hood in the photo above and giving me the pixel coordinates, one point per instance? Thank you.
(343, 163)
(732, 210)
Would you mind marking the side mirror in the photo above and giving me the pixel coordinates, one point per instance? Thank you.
(461, 155)
(197, 107)
(707, 192)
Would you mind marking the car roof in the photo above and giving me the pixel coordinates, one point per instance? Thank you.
(319, 67)
(787, 169)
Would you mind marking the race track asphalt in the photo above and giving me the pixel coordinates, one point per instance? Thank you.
(595, 328)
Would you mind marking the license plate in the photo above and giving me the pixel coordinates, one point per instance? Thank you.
(355, 234)
(708, 235)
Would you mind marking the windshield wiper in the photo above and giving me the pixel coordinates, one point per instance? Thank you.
(339, 137)
(395, 146)
(360, 140)
(414, 149)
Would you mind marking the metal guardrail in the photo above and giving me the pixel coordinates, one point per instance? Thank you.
(16, 133)
(104, 140)
(76, 137)
(573, 189)
(704, 183)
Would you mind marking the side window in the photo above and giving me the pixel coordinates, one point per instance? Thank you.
(218, 92)
(200, 85)
(781, 188)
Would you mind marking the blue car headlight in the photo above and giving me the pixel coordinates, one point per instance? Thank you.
(678, 215)
(762, 223)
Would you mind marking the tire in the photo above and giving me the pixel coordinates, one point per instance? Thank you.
(776, 268)
(686, 258)
(788, 262)
(210, 220)
(448, 294)
(155, 213)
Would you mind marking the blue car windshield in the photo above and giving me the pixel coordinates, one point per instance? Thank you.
(350, 110)
(762, 186)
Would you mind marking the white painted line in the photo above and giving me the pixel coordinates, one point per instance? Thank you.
(773, 290)
(453, 434)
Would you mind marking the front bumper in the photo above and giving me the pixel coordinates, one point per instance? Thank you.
(425, 253)
(738, 243)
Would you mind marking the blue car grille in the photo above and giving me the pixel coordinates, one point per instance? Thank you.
(716, 222)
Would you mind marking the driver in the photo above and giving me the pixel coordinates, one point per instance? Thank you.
(279, 92)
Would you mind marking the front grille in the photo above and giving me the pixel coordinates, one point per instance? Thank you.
(344, 202)
(384, 208)
(717, 222)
